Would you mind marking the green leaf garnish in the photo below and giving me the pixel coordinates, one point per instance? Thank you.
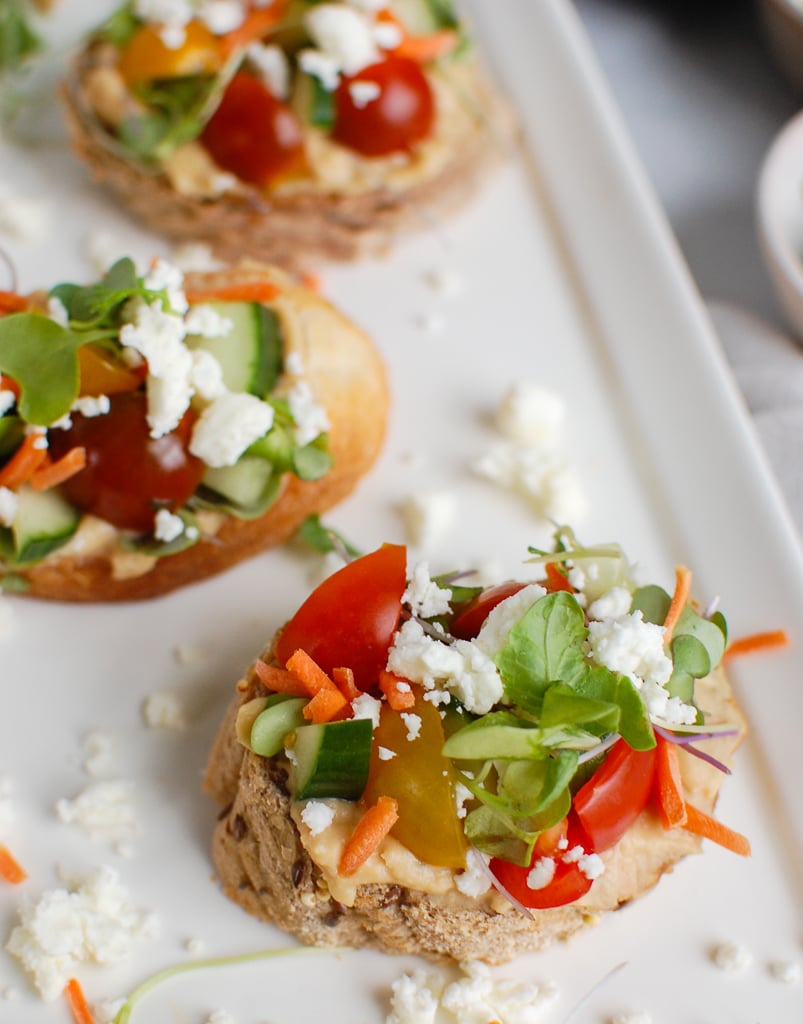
(18, 39)
(324, 539)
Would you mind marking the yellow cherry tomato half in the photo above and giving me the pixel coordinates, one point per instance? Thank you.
(102, 374)
(146, 58)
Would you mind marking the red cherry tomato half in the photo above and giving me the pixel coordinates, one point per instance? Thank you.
(253, 134)
(350, 619)
(568, 882)
(401, 115)
(615, 795)
(468, 622)
(127, 470)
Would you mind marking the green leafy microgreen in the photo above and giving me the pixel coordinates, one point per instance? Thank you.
(324, 539)
(207, 498)
(18, 39)
(313, 460)
(120, 26)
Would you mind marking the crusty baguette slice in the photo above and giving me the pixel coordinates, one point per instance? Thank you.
(360, 214)
(263, 864)
(346, 375)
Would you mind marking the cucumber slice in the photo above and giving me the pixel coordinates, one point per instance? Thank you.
(281, 715)
(244, 484)
(250, 355)
(421, 17)
(332, 760)
(44, 521)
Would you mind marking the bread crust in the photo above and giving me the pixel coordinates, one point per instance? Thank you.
(311, 219)
(346, 376)
(262, 863)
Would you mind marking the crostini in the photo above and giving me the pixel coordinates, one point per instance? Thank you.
(157, 429)
(423, 767)
(304, 130)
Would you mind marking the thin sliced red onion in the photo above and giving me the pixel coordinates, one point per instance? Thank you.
(687, 742)
(486, 867)
(600, 748)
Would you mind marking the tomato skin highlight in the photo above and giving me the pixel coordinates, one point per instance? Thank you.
(616, 794)
(568, 883)
(399, 117)
(127, 470)
(350, 619)
(253, 135)
(468, 622)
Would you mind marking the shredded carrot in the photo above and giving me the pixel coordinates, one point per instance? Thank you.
(11, 302)
(557, 580)
(51, 474)
(256, 24)
(324, 706)
(704, 825)
(429, 47)
(10, 868)
(344, 680)
(245, 291)
(368, 834)
(398, 699)
(757, 642)
(77, 1002)
(678, 602)
(311, 281)
(9, 384)
(24, 462)
(669, 785)
(280, 680)
(309, 673)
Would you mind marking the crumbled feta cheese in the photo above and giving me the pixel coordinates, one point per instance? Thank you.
(494, 632)
(189, 256)
(475, 880)
(591, 865)
(385, 754)
(445, 282)
(221, 16)
(542, 476)
(786, 971)
(94, 922)
(163, 276)
(195, 946)
(438, 697)
(612, 605)
(103, 810)
(220, 1017)
(164, 709)
(97, 749)
(273, 67)
(431, 323)
(412, 724)
(732, 957)
(167, 526)
(631, 646)
(7, 401)
(188, 654)
(92, 405)
(344, 34)
(206, 321)
(8, 506)
(321, 66)
(461, 667)
(363, 92)
(294, 364)
(24, 218)
(317, 816)
(531, 415)
(228, 426)
(366, 706)
(108, 1010)
(309, 417)
(423, 596)
(387, 36)
(541, 873)
(206, 375)
(631, 1017)
(424, 997)
(427, 517)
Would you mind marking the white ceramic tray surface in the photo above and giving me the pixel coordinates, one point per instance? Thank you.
(572, 281)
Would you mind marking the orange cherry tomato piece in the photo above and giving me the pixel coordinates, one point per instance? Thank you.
(102, 374)
(146, 57)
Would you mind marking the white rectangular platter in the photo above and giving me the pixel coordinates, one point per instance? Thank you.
(571, 280)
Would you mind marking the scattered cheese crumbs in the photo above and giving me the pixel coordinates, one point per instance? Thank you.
(7, 401)
(786, 971)
(428, 516)
(366, 706)
(309, 417)
(23, 217)
(413, 725)
(317, 816)
(431, 323)
(90, 405)
(424, 997)
(732, 957)
(228, 426)
(195, 946)
(167, 526)
(188, 654)
(107, 1011)
(164, 709)
(219, 1017)
(631, 1017)
(363, 92)
(344, 35)
(273, 66)
(103, 811)
(8, 506)
(93, 922)
(475, 880)
(423, 596)
(97, 748)
(591, 865)
(385, 754)
(445, 282)
(189, 256)
(541, 873)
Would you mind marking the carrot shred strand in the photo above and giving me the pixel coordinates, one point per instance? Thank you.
(256, 25)
(708, 827)
(368, 834)
(343, 679)
(324, 706)
(10, 868)
(77, 1003)
(245, 291)
(671, 802)
(11, 302)
(24, 462)
(398, 698)
(304, 668)
(51, 474)
(757, 642)
(279, 680)
(428, 47)
(678, 602)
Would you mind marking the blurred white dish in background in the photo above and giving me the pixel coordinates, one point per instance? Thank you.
(780, 218)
